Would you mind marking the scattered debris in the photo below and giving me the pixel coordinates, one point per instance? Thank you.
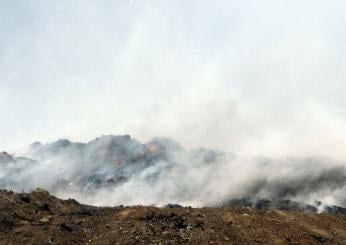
(69, 222)
(173, 206)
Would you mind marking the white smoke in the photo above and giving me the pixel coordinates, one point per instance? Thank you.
(114, 170)
(250, 77)
(244, 76)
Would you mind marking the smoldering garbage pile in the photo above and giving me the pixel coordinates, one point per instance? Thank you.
(115, 170)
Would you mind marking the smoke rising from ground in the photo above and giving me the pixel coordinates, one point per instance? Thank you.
(244, 76)
(254, 78)
(114, 170)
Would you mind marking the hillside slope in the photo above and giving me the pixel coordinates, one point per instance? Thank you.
(39, 218)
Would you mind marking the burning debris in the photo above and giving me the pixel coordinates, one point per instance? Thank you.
(114, 170)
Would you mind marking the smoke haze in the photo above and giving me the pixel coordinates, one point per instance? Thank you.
(261, 81)
(114, 170)
(255, 78)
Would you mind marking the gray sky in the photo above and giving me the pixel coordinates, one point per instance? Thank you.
(255, 77)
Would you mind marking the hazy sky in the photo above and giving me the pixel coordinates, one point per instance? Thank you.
(258, 77)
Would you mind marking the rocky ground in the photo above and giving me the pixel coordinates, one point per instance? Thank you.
(39, 218)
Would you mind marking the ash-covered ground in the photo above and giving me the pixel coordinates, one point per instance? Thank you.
(118, 170)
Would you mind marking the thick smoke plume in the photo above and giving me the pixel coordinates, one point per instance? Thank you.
(114, 170)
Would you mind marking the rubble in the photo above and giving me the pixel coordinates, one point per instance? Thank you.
(69, 222)
(120, 167)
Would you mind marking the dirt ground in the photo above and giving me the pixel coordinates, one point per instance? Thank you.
(39, 218)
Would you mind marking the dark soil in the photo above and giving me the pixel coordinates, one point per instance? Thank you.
(39, 218)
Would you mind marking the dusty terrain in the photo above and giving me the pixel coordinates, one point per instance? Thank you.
(39, 218)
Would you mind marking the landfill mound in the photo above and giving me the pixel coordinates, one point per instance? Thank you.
(119, 170)
(39, 218)
(285, 205)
